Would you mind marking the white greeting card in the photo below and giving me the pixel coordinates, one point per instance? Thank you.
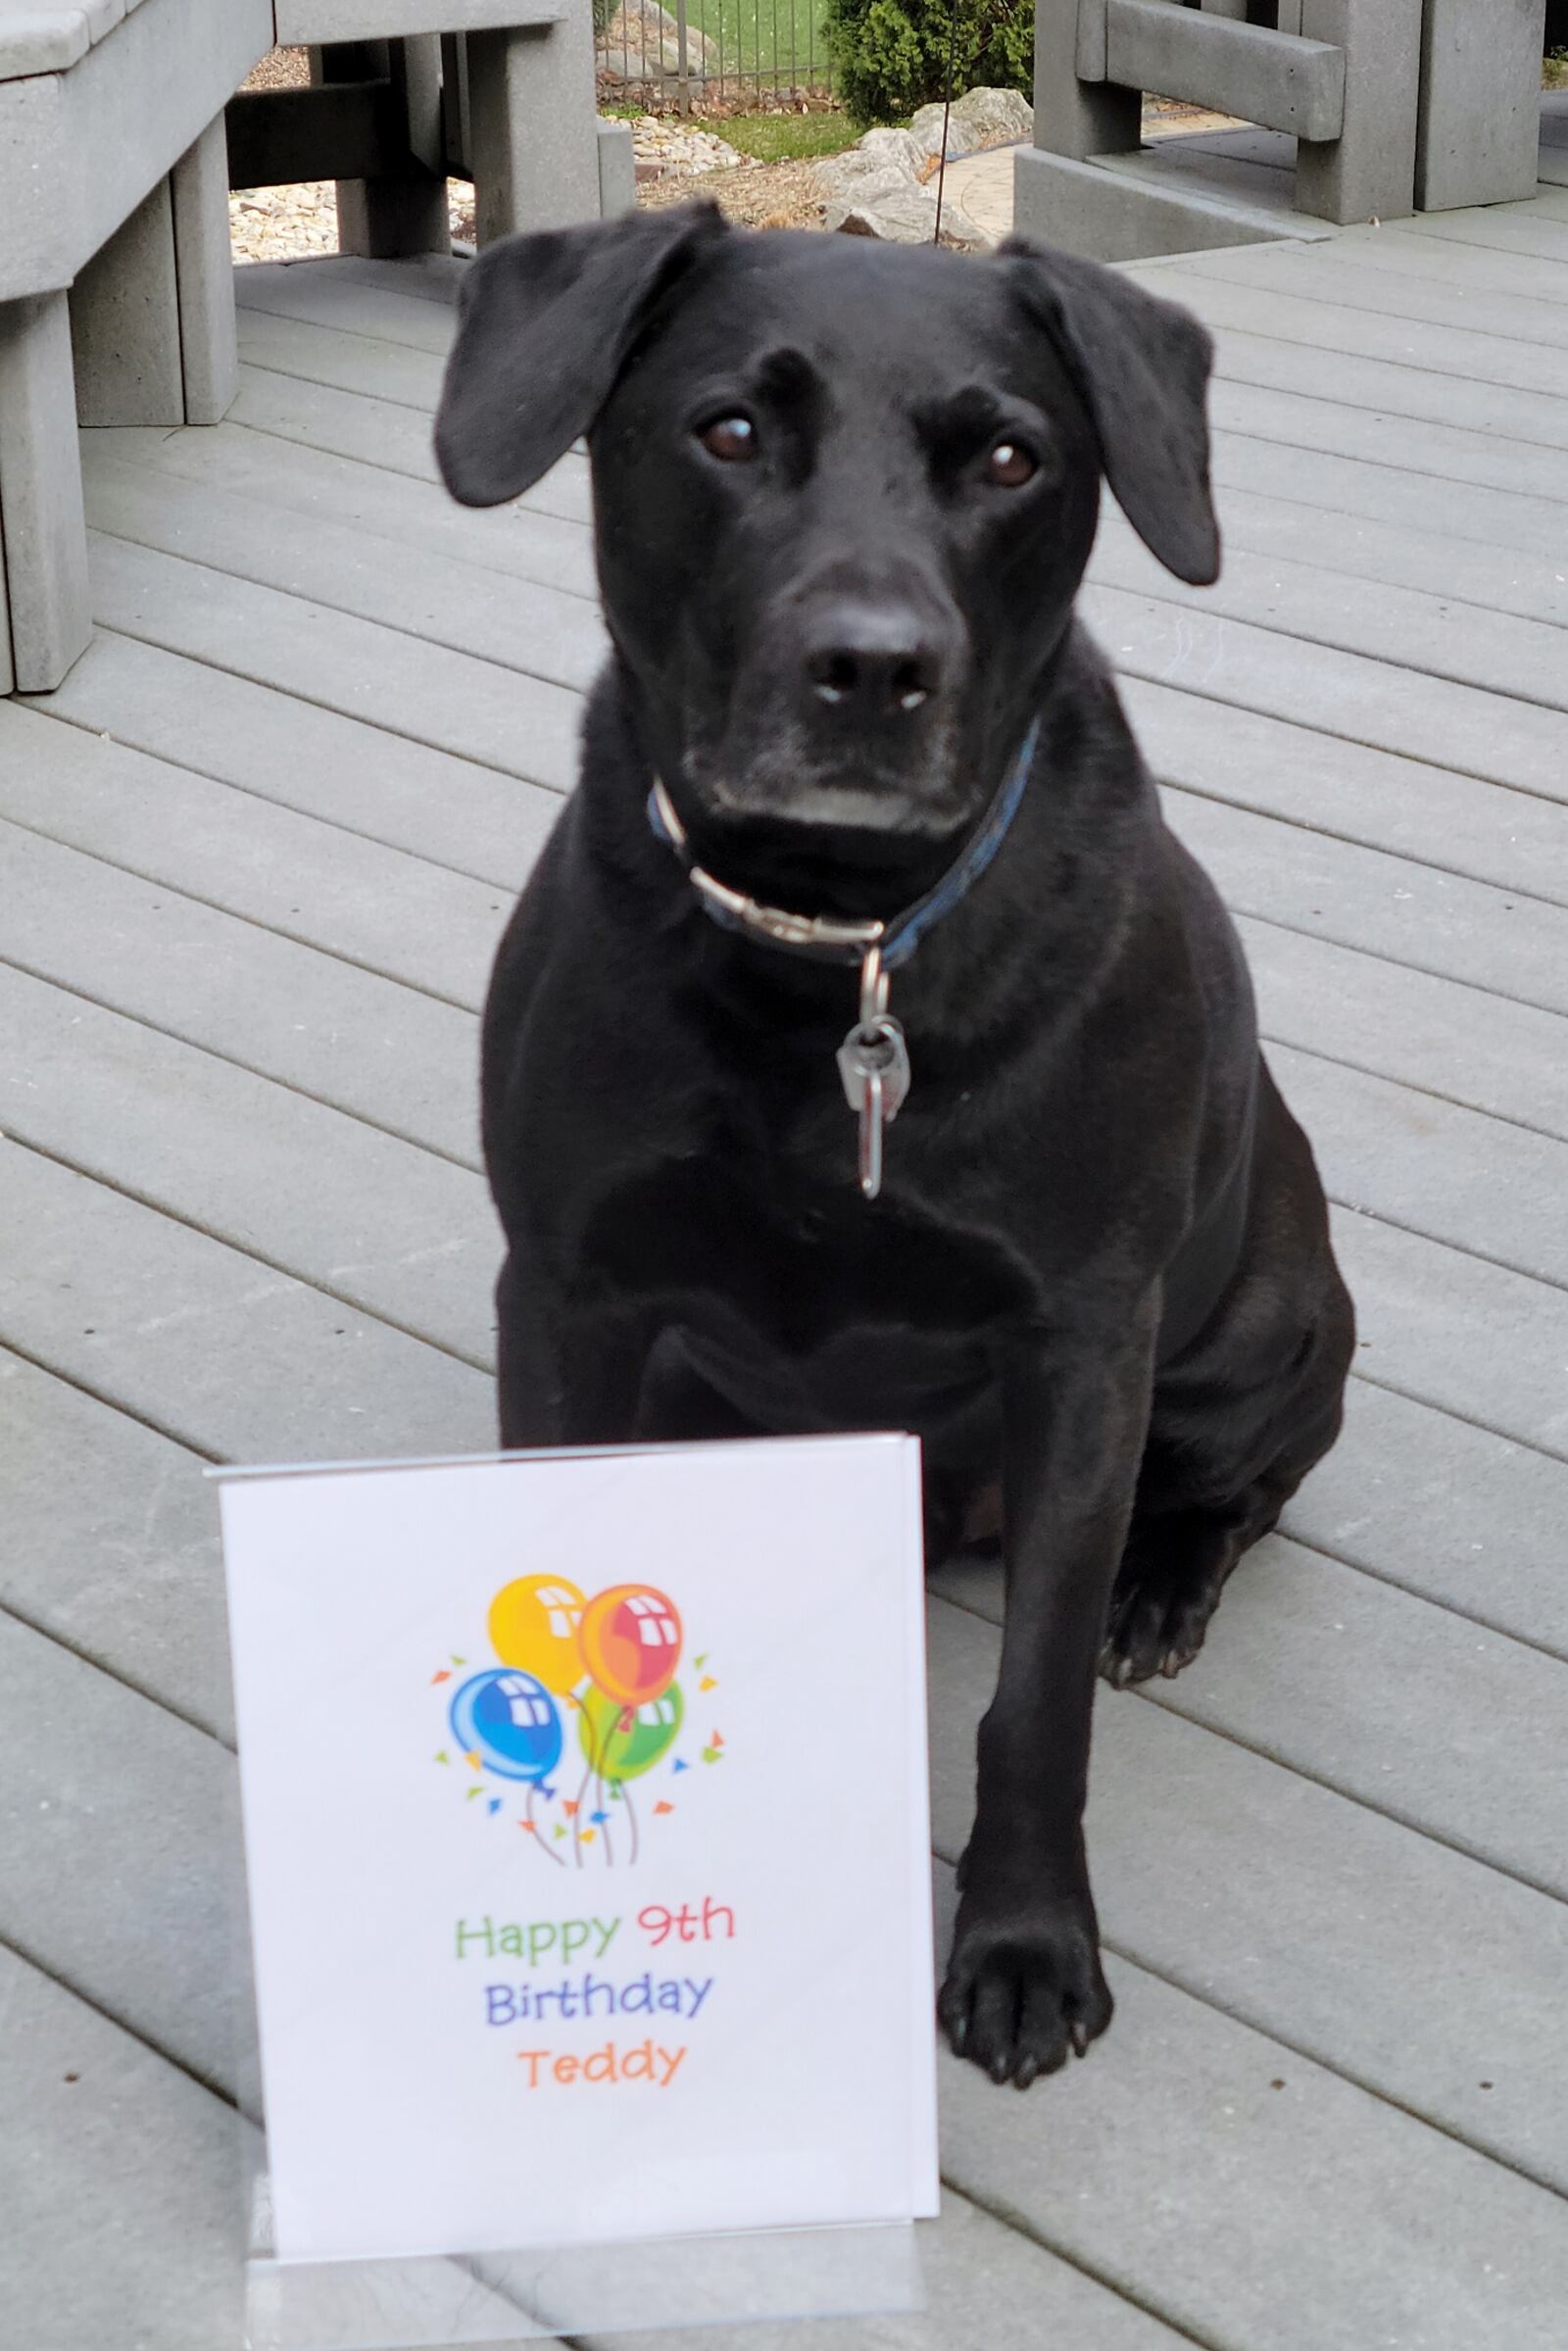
(586, 1828)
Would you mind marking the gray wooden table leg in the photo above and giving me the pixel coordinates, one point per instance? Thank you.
(403, 213)
(1480, 101)
(125, 321)
(204, 268)
(42, 531)
(1368, 173)
(532, 125)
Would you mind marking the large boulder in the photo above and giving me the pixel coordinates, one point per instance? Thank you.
(642, 44)
(980, 119)
(886, 186)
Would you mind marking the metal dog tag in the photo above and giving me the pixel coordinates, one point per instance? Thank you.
(875, 1065)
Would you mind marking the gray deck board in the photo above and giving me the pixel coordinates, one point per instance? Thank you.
(344, 771)
(1448, 823)
(1383, 704)
(516, 539)
(514, 622)
(245, 935)
(398, 1057)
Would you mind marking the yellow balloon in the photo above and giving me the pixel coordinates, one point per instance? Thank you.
(533, 1624)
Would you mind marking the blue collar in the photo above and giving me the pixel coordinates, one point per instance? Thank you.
(844, 941)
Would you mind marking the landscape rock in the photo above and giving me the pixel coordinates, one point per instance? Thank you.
(980, 119)
(886, 186)
(642, 44)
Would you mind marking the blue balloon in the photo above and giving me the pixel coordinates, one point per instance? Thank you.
(508, 1720)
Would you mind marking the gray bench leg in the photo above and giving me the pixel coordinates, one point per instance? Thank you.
(1079, 117)
(532, 126)
(1480, 101)
(404, 213)
(617, 169)
(1368, 173)
(45, 621)
(152, 315)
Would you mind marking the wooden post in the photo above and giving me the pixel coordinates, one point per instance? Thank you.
(403, 212)
(1480, 129)
(124, 323)
(203, 269)
(43, 593)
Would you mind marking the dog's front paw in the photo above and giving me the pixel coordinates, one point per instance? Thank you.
(1024, 1985)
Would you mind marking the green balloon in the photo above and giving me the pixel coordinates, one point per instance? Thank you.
(623, 1741)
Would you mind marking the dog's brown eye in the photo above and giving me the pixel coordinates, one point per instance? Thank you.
(731, 439)
(1009, 466)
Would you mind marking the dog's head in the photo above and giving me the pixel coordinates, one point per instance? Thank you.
(844, 494)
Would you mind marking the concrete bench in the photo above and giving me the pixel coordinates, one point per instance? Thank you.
(407, 92)
(1394, 105)
(113, 237)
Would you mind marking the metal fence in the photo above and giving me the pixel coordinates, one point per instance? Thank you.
(710, 49)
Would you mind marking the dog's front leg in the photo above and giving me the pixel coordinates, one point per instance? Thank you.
(567, 1374)
(1024, 1983)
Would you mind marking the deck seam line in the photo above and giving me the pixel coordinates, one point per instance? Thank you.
(122, 2023)
(219, 489)
(1468, 1420)
(1007, 2216)
(1377, 849)
(1225, 335)
(393, 628)
(1384, 465)
(152, 1697)
(1375, 1574)
(274, 930)
(251, 1254)
(1290, 293)
(1454, 1101)
(48, 979)
(316, 701)
(1302, 1771)
(96, 1395)
(1293, 930)
(332, 824)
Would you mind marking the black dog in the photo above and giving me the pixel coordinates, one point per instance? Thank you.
(844, 497)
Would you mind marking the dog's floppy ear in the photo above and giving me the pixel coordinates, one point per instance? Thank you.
(1143, 366)
(545, 322)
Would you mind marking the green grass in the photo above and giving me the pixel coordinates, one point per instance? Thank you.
(763, 34)
(1555, 73)
(774, 138)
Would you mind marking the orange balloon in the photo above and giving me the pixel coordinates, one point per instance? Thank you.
(534, 1623)
(630, 1638)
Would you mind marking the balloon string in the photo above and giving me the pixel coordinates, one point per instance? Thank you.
(632, 1815)
(582, 1797)
(538, 1833)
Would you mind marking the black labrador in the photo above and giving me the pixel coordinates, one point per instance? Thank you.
(854, 764)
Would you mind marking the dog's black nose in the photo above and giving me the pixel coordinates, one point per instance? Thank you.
(871, 662)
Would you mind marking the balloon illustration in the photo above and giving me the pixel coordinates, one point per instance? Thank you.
(508, 1720)
(630, 1638)
(533, 1624)
(621, 1743)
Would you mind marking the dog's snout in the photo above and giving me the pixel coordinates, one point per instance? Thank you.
(873, 662)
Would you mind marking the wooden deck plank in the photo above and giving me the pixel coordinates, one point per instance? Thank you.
(192, 1336)
(1499, 228)
(1298, 419)
(1413, 558)
(1507, 523)
(1411, 915)
(389, 1055)
(1296, 1911)
(339, 770)
(1445, 1510)
(388, 1228)
(119, 1562)
(378, 432)
(352, 363)
(1428, 634)
(1450, 1329)
(515, 539)
(1456, 403)
(1339, 692)
(391, 913)
(1482, 1052)
(1475, 1750)
(1339, 282)
(120, 2179)
(1447, 823)
(1398, 249)
(1272, 309)
(1415, 1160)
(521, 725)
(1294, 2218)
(434, 598)
(326, 298)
